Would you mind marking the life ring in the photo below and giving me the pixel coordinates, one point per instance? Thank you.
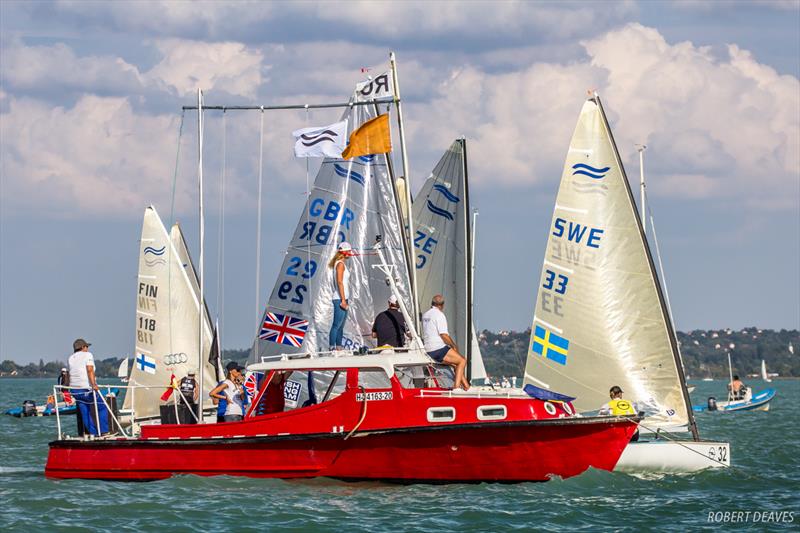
(567, 408)
(550, 408)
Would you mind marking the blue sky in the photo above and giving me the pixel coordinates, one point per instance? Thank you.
(90, 97)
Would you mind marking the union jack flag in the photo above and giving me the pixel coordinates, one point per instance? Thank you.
(283, 329)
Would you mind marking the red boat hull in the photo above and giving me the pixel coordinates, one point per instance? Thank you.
(503, 452)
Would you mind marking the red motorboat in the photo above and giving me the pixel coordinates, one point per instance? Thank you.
(385, 416)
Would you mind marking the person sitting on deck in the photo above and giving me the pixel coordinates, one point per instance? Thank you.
(232, 392)
(390, 326)
(619, 407)
(737, 389)
(438, 343)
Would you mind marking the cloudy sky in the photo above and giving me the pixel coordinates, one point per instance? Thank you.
(90, 113)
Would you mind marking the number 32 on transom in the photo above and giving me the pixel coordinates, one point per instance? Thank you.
(550, 281)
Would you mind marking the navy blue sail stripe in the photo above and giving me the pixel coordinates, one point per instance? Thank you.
(592, 172)
(155, 251)
(307, 137)
(352, 174)
(367, 158)
(439, 211)
(446, 193)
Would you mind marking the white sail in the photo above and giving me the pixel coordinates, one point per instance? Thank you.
(442, 248)
(166, 320)
(351, 200)
(122, 371)
(600, 318)
(764, 374)
(182, 250)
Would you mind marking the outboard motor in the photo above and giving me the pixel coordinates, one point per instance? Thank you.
(712, 403)
(28, 408)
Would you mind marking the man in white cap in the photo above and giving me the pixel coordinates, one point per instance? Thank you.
(390, 326)
(84, 388)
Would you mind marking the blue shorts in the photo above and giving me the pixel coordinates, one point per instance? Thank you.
(438, 355)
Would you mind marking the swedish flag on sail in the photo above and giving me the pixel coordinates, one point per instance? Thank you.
(549, 345)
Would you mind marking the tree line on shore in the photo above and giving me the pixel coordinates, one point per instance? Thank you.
(704, 354)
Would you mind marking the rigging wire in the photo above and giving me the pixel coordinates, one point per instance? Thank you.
(258, 224)
(221, 236)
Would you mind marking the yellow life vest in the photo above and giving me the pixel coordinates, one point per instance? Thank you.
(621, 407)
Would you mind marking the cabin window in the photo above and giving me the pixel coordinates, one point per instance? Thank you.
(492, 412)
(426, 376)
(374, 378)
(441, 414)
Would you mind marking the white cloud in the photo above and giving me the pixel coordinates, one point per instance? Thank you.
(189, 65)
(56, 68)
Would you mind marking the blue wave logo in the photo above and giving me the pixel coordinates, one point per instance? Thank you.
(446, 193)
(367, 158)
(592, 172)
(352, 174)
(154, 251)
(156, 261)
(439, 211)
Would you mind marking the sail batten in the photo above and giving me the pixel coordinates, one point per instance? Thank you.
(600, 318)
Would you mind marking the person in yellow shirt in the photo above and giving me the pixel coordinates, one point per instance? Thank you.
(618, 407)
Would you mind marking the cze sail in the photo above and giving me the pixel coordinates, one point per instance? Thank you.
(443, 255)
(600, 318)
(167, 309)
(352, 200)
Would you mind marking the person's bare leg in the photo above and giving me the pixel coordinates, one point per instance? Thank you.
(453, 358)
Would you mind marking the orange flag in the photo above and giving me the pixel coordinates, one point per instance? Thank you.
(372, 137)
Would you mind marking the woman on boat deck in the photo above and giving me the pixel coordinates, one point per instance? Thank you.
(341, 294)
(232, 392)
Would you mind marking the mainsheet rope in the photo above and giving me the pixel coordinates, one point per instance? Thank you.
(221, 235)
(258, 224)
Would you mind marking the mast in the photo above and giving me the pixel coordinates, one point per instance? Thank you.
(641, 148)
(664, 311)
(201, 307)
(410, 220)
(469, 265)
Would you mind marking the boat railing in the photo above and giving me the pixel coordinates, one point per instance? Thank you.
(332, 353)
(177, 396)
(475, 392)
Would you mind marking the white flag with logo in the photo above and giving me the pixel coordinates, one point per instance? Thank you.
(381, 86)
(325, 141)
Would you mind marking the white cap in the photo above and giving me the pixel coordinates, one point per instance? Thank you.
(393, 299)
(345, 247)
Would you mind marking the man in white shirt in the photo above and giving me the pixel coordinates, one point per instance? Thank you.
(438, 343)
(85, 390)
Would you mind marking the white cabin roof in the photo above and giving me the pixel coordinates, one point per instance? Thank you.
(386, 360)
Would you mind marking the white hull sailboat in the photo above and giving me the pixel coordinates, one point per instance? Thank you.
(601, 318)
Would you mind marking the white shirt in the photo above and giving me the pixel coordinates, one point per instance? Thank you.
(78, 377)
(434, 323)
(345, 281)
(234, 405)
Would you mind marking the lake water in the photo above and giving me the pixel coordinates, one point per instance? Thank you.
(765, 478)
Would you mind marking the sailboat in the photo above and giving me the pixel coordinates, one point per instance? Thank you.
(167, 325)
(371, 419)
(600, 317)
(444, 250)
(122, 371)
(764, 374)
(759, 401)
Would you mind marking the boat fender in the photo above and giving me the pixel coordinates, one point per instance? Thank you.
(712, 403)
(28, 408)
